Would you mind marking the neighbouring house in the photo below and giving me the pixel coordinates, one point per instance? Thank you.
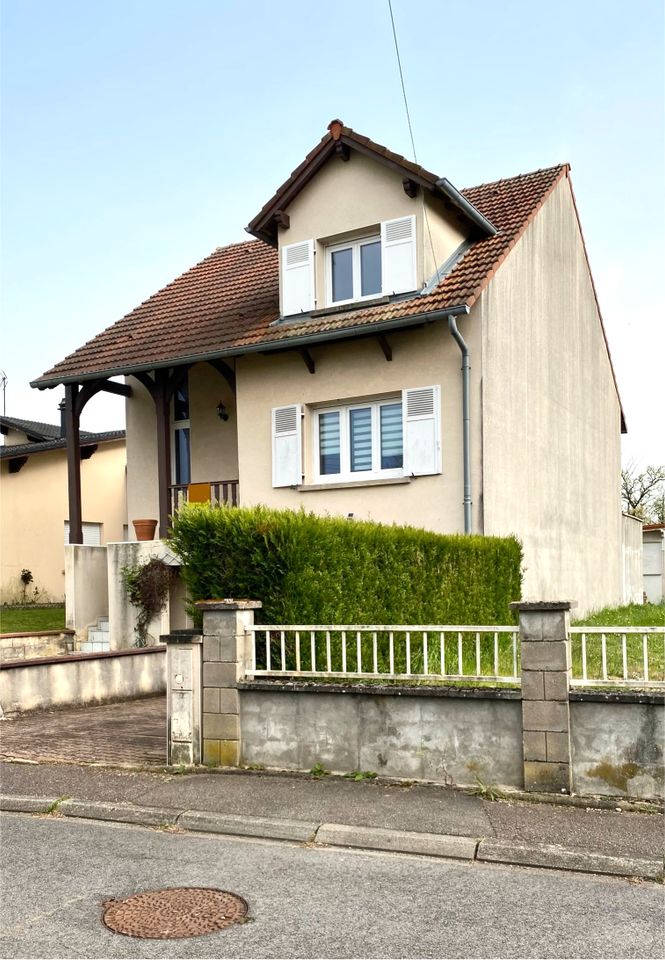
(34, 504)
(653, 545)
(386, 347)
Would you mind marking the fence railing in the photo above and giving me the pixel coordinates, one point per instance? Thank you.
(220, 491)
(633, 656)
(388, 652)
(612, 656)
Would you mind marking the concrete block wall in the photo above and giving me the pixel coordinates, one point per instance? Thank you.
(546, 668)
(542, 738)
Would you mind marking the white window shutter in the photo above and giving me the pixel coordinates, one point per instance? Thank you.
(398, 255)
(287, 446)
(297, 278)
(422, 431)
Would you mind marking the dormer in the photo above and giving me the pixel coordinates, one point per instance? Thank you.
(355, 224)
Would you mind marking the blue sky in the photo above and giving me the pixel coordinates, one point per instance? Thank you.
(137, 136)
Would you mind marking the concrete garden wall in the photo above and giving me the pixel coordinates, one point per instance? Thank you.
(82, 678)
(617, 744)
(48, 643)
(451, 736)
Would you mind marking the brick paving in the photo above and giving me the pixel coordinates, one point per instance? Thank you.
(132, 732)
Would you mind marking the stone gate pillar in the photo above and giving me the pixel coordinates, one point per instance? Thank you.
(546, 666)
(183, 696)
(227, 654)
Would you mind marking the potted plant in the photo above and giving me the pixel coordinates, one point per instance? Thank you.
(145, 529)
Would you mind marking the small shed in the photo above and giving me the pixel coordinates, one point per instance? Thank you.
(653, 548)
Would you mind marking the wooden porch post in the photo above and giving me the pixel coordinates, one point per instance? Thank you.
(162, 398)
(73, 463)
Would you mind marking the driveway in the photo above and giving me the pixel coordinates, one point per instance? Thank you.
(132, 732)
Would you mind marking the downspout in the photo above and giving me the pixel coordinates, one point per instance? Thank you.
(466, 419)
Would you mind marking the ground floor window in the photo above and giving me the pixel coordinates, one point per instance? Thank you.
(359, 441)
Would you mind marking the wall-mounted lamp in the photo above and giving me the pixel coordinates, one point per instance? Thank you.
(222, 412)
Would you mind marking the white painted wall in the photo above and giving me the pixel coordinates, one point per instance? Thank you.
(86, 587)
(631, 547)
(82, 679)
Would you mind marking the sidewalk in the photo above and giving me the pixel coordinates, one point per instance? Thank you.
(409, 818)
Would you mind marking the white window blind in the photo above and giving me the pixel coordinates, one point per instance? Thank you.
(398, 255)
(92, 534)
(297, 287)
(287, 446)
(422, 431)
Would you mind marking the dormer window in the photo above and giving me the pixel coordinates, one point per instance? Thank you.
(354, 270)
(330, 272)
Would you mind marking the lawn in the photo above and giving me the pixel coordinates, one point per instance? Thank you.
(31, 619)
(632, 615)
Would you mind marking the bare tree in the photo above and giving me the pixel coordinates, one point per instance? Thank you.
(643, 494)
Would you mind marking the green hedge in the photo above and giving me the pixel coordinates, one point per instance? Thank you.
(310, 569)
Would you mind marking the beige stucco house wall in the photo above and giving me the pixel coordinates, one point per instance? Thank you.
(551, 414)
(33, 510)
(348, 200)
(214, 442)
(358, 371)
(545, 414)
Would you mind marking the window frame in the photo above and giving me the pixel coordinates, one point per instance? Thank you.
(353, 245)
(346, 475)
(176, 426)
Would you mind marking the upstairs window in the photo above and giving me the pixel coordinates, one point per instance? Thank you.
(382, 263)
(354, 270)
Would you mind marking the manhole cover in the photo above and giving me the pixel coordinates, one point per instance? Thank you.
(174, 913)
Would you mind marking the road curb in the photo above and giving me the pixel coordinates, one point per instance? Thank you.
(560, 858)
(28, 804)
(119, 812)
(398, 841)
(484, 850)
(265, 827)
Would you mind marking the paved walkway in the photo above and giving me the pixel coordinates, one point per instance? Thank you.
(131, 733)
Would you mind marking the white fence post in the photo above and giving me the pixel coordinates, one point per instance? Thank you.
(183, 696)
(227, 656)
(546, 669)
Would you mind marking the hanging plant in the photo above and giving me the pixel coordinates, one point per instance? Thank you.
(147, 585)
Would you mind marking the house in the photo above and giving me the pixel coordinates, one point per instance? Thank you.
(385, 347)
(34, 505)
(653, 545)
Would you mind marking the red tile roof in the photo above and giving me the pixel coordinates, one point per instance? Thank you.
(226, 303)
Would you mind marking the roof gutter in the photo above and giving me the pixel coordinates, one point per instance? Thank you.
(472, 213)
(292, 343)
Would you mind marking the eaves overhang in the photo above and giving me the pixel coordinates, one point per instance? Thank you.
(278, 344)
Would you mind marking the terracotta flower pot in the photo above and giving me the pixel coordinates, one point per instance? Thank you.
(145, 529)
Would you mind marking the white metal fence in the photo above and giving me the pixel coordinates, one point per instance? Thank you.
(387, 652)
(610, 656)
(623, 656)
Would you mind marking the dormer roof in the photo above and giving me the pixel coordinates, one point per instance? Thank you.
(341, 141)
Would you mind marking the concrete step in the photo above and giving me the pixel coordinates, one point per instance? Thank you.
(98, 636)
(94, 646)
(103, 624)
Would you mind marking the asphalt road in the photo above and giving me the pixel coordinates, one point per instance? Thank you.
(308, 902)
